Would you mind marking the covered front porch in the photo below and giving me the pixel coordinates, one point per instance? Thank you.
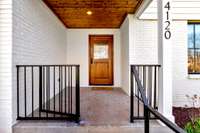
(135, 63)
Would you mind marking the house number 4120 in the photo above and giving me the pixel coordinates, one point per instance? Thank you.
(168, 23)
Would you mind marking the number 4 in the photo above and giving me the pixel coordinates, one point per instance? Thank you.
(168, 5)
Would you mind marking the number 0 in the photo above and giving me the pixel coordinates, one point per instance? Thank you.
(167, 34)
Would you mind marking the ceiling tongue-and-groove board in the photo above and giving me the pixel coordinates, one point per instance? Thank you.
(105, 13)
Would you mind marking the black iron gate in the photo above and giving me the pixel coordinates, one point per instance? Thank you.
(48, 92)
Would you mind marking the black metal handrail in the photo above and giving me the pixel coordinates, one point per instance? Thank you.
(147, 107)
(48, 92)
(149, 78)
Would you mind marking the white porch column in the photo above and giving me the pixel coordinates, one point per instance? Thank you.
(165, 57)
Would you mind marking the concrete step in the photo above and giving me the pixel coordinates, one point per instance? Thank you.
(62, 127)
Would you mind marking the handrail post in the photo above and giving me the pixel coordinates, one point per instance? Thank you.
(77, 92)
(131, 97)
(146, 121)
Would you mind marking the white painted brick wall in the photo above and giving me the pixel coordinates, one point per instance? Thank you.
(143, 50)
(126, 34)
(5, 65)
(38, 38)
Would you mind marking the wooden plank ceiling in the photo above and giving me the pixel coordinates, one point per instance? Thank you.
(105, 13)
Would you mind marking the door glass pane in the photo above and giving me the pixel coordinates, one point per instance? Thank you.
(197, 35)
(100, 51)
(191, 36)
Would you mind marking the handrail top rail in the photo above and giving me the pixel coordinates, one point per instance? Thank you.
(153, 111)
(145, 65)
(57, 65)
(140, 87)
(165, 120)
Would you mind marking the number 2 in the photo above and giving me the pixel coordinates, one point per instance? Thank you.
(168, 24)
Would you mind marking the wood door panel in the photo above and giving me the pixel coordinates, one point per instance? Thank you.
(101, 60)
(101, 73)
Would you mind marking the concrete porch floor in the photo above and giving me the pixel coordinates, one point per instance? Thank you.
(102, 111)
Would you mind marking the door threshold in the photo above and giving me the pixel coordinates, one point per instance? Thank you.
(102, 88)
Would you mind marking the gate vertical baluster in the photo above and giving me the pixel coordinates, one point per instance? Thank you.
(71, 88)
(61, 86)
(68, 90)
(146, 119)
(54, 91)
(77, 91)
(17, 92)
(59, 92)
(65, 92)
(25, 91)
(32, 91)
(155, 86)
(40, 90)
(138, 94)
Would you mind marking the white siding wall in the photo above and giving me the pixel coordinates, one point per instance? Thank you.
(182, 10)
(77, 52)
(5, 65)
(144, 51)
(182, 85)
(38, 38)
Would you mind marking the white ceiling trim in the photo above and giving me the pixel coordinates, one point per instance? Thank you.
(145, 4)
(182, 10)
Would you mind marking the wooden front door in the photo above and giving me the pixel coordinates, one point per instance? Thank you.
(101, 59)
